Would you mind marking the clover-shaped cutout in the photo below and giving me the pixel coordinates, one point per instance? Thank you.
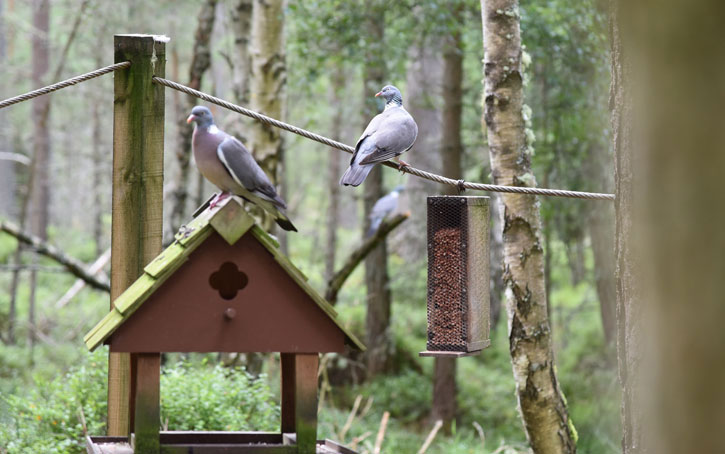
(228, 280)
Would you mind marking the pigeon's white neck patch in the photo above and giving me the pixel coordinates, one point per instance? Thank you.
(212, 129)
(391, 104)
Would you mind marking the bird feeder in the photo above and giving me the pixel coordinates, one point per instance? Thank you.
(222, 286)
(458, 276)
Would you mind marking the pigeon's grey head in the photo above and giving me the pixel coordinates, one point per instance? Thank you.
(391, 95)
(202, 116)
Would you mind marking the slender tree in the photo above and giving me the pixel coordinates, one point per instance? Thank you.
(377, 325)
(200, 62)
(40, 187)
(7, 167)
(333, 172)
(451, 149)
(541, 403)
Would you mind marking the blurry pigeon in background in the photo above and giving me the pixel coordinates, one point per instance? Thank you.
(383, 208)
(391, 133)
(225, 162)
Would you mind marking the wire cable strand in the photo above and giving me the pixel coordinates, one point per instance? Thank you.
(407, 169)
(63, 84)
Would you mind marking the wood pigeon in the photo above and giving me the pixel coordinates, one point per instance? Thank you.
(391, 133)
(385, 205)
(226, 162)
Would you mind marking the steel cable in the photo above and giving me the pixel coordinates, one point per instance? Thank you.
(411, 170)
(63, 84)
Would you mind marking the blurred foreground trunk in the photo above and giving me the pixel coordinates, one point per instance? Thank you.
(542, 405)
(670, 223)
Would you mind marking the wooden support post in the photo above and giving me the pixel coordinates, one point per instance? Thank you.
(287, 367)
(146, 413)
(138, 166)
(306, 402)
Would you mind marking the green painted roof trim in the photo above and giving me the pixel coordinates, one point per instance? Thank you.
(231, 221)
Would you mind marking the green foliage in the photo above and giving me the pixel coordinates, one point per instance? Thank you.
(216, 398)
(49, 417)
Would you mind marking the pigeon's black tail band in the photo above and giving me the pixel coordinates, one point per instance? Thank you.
(285, 224)
(355, 175)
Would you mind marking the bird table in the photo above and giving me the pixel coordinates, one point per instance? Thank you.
(221, 286)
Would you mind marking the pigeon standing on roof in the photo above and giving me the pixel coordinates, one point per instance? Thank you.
(226, 162)
(388, 135)
(383, 208)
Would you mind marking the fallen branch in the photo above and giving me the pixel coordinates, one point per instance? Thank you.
(350, 418)
(381, 433)
(78, 285)
(479, 429)
(74, 266)
(358, 255)
(431, 436)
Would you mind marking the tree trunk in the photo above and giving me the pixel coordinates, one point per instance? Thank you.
(628, 309)
(241, 16)
(543, 409)
(333, 173)
(268, 88)
(451, 149)
(40, 189)
(601, 230)
(679, 71)
(496, 261)
(7, 167)
(377, 324)
(423, 82)
(98, 161)
(200, 62)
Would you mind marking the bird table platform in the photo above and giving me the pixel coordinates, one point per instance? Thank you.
(221, 286)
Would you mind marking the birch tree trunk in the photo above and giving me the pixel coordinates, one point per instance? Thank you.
(377, 324)
(451, 149)
(241, 15)
(542, 406)
(200, 62)
(268, 87)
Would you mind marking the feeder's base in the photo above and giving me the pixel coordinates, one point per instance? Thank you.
(441, 354)
(214, 443)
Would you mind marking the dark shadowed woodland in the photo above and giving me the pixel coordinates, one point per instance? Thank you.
(605, 312)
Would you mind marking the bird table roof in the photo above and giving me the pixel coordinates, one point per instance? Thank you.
(242, 239)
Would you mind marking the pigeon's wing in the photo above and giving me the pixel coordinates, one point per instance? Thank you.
(241, 165)
(370, 130)
(394, 136)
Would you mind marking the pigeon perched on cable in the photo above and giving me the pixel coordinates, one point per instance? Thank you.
(226, 162)
(391, 133)
(385, 205)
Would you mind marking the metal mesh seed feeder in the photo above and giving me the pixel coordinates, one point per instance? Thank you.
(458, 276)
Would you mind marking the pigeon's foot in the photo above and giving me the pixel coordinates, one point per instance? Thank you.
(221, 196)
(402, 164)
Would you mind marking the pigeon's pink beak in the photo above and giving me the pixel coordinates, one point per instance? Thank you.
(190, 119)
(380, 93)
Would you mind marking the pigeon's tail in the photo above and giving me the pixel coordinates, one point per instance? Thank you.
(286, 224)
(355, 175)
(283, 221)
(374, 225)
